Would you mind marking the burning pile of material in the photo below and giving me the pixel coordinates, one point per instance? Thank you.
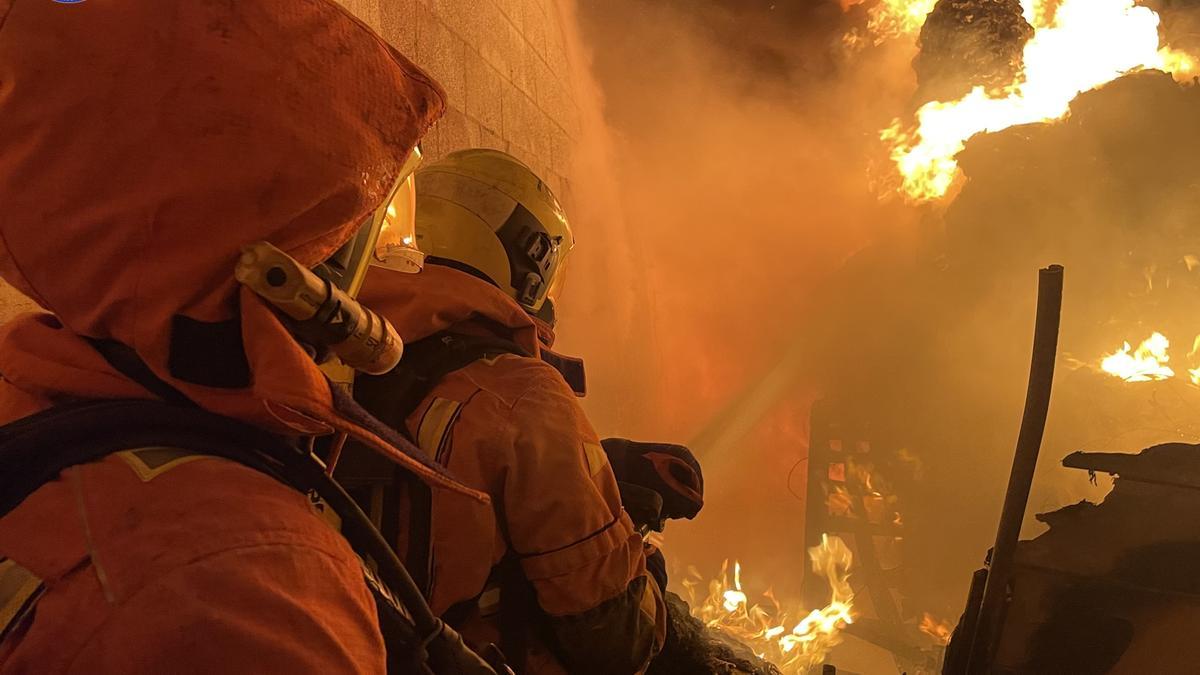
(791, 639)
(1109, 189)
(970, 43)
(1148, 363)
(1079, 46)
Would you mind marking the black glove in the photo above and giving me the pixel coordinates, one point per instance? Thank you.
(643, 505)
(670, 470)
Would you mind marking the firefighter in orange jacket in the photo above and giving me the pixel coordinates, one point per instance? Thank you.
(554, 570)
(142, 144)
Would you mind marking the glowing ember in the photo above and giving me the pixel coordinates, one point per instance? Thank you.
(764, 628)
(1145, 364)
(1084, 44)
(938, 630)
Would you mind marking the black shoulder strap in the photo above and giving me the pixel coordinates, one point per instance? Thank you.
(392, 398)
(34, 450)
(395, 395)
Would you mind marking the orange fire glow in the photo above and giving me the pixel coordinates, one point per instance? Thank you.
(938, 630)
(1082, 45)
(765, 627)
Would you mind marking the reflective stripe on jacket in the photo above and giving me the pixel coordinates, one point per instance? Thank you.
(511, 427)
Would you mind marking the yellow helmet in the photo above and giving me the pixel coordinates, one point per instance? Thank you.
(486, 213)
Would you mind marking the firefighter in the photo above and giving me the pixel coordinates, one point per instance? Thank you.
(142, 145)
(554, 570)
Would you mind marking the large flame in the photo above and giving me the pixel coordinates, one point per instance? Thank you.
(765, 627)
(1081, 45)
(1145, 364)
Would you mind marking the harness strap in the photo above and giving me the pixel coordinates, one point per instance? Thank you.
(392, 398)
(126, 361)
(84, 432)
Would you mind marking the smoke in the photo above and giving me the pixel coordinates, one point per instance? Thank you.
(741, 145)
(736, 144)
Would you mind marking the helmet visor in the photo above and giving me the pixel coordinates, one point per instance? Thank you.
(396, 249)
(559, 282)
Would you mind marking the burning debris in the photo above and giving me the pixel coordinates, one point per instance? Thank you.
(790, 638)
(1148, 363)
(693, 648)
(1109, 183)
(1109, 189)
(1081, 45)
(937, 629)
(970, 43)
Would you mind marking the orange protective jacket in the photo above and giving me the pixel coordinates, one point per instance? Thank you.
(141, 145)
(511, 427)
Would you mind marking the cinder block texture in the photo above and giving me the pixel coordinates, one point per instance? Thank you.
(505, 68)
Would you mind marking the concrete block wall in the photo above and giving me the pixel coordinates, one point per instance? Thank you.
(505, 69)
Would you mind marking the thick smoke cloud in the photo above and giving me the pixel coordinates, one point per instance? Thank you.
(739, 144)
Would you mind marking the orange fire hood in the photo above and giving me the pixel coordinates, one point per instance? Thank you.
(143, 143)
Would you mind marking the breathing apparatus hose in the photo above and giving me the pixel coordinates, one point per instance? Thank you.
(324, 315)
(446, 651)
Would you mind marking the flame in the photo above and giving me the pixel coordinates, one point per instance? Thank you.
(1086, 43)
(938, 630)
(894, 18)
(840, 502)
(1194, 373)
(1147, 363)
(888, 20)
(764, 628)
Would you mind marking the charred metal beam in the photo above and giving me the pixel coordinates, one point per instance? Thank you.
(1029, 444)
(1173, 464)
